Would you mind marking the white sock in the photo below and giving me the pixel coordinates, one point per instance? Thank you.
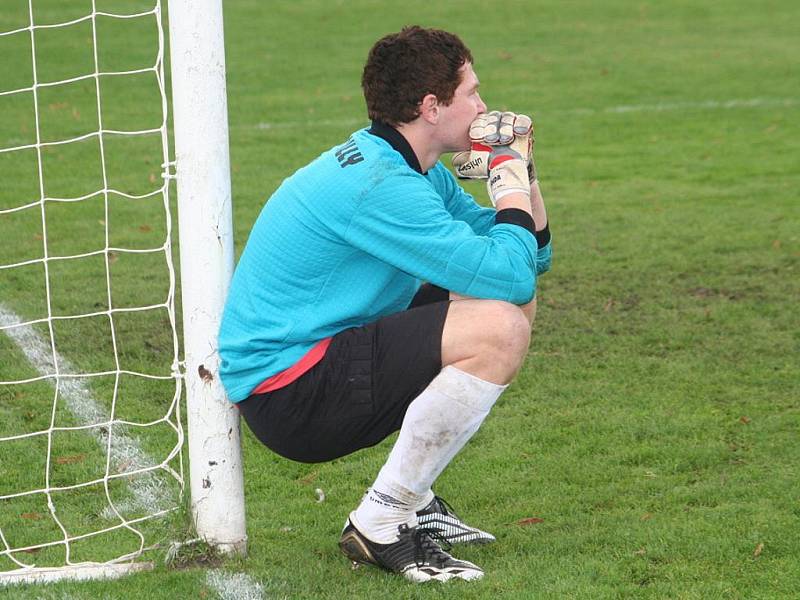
(384, 509)
(427, 498)
(436, 426)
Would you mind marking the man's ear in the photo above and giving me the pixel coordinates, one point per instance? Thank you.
(429, 109)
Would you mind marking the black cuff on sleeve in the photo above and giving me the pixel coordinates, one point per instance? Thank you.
(543, 236)
(515, 216)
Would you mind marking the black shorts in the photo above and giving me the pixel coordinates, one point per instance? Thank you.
(359, 392)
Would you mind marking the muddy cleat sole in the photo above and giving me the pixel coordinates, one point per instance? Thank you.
(415, 555)
(438, 517)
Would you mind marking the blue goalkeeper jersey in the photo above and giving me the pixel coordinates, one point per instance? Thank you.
(349, 239)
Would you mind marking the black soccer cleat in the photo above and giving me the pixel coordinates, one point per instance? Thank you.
(415, 555)
(438, 517)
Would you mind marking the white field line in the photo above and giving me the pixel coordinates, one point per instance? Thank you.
(703, 105)
(622, 109)
(234, 586)
(148, 492)
(73, 573)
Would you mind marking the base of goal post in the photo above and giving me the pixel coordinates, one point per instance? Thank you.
(72, 573)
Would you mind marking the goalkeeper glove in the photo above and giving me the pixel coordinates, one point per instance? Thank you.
(501, 152)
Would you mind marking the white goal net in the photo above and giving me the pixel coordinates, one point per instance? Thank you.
(90, 383)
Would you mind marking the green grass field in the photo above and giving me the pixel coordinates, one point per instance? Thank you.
(649, 448)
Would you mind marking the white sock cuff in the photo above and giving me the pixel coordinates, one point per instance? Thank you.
(466, 388)
(408, 499)
(383, 509)
(427, 498)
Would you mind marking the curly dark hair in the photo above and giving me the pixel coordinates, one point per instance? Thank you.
(402, 68)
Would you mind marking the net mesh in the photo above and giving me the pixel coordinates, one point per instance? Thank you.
(90, 383)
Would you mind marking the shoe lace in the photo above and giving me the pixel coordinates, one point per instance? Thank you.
(428, 544)
(445, 506)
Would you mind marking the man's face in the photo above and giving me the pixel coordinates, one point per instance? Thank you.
(457, 117)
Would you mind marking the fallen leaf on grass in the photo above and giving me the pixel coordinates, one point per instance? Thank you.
(744, 420)
(758, 550)
(32, 516)
(123, 466)
(640, 552)
(646, 516)
(70, 460)
(306, 479)
(530, 521)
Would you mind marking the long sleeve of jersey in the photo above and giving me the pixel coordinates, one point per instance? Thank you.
(422, 238)
(459, 203)
(463, 207)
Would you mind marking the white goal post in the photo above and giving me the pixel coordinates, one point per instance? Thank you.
(202, 160)
(105, 439)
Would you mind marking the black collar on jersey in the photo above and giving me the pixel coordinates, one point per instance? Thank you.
(398, 142)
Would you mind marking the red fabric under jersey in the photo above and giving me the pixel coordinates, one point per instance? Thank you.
(279, 380)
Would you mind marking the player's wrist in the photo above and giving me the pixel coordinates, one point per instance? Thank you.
(503, 194)
(514, 199)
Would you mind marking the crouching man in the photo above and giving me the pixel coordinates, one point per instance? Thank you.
(375, 295)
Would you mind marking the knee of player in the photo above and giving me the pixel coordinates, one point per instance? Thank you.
(506, 327)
